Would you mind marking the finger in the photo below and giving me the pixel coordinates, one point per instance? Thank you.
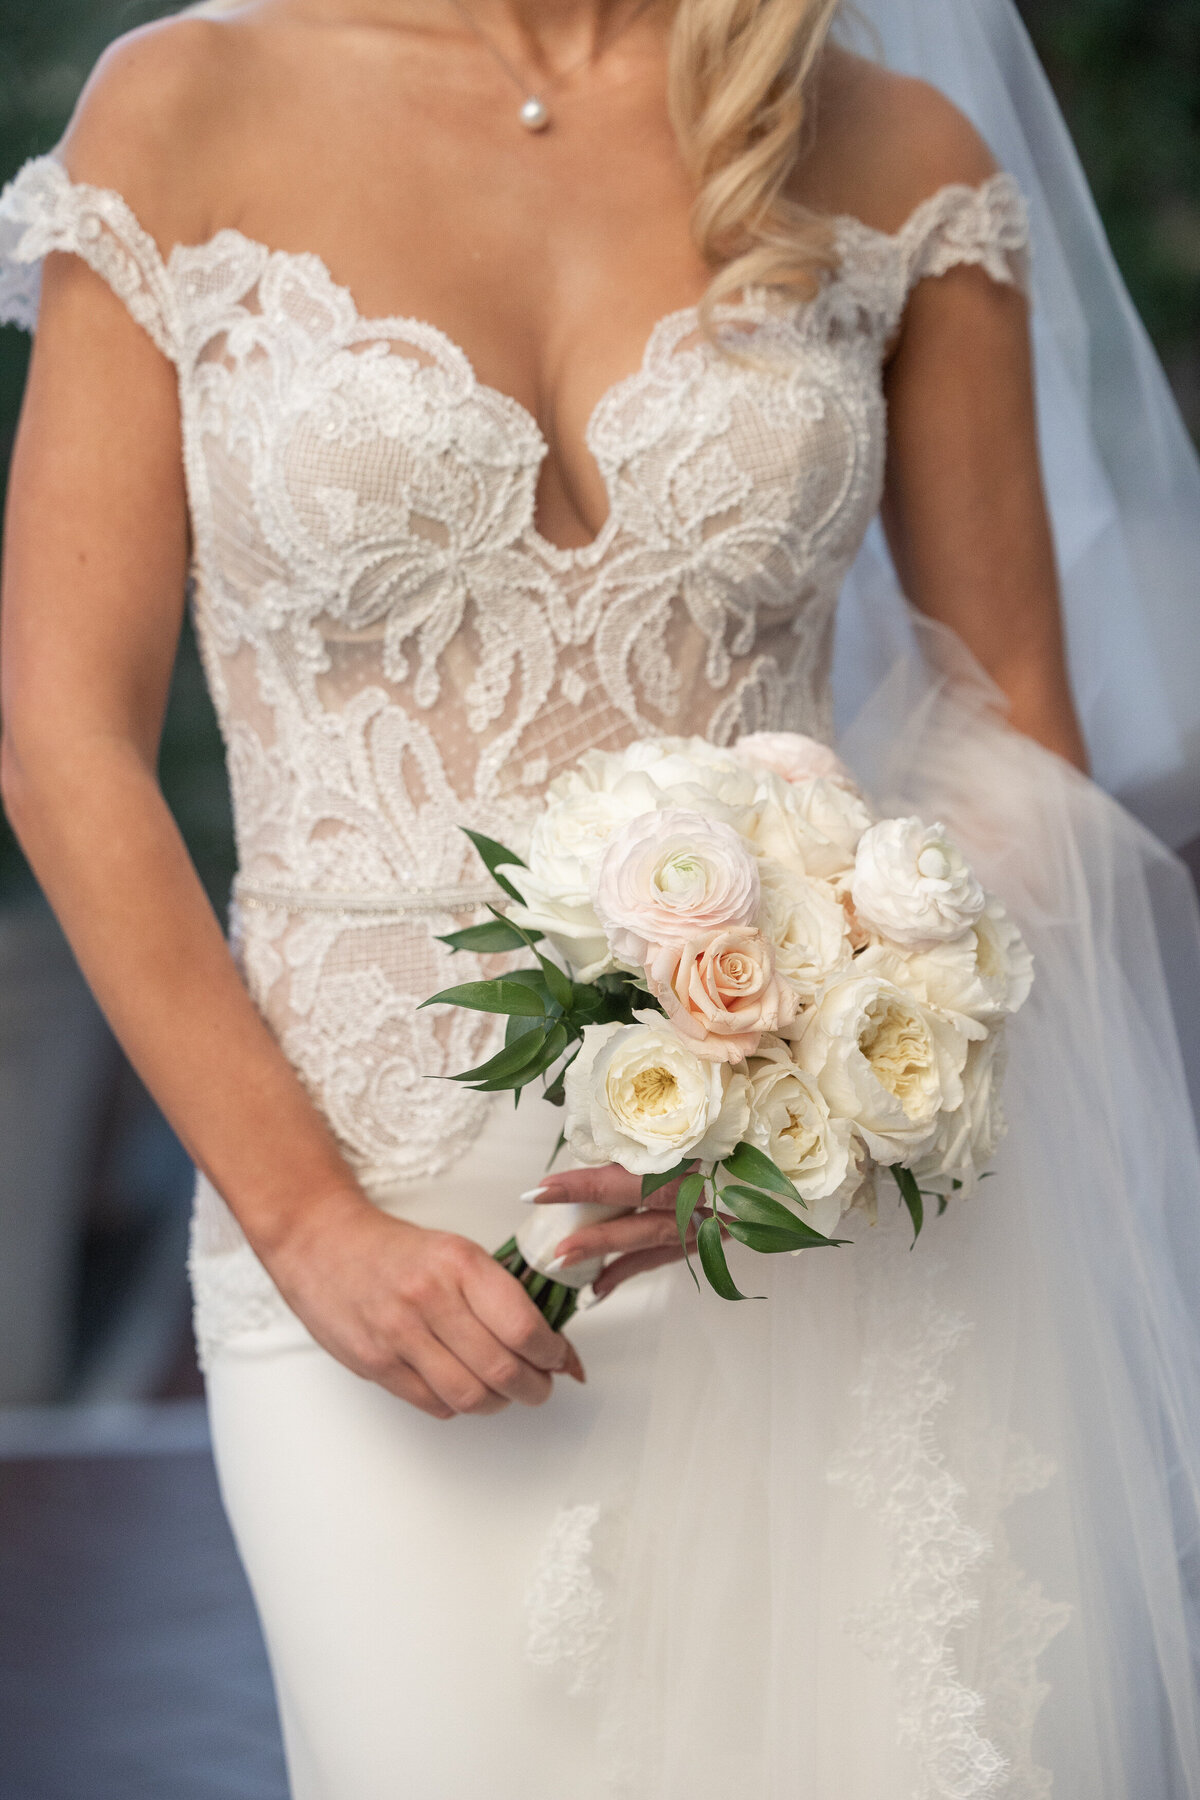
(501, 1304)
(607, 1186)
(499, 1368)
(450, 1378)
(406, 1384)
(637, 1264)
(636, 1231)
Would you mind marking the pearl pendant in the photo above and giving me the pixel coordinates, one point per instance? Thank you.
(534, 116)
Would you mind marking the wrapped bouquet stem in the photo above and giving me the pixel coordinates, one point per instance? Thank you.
(743, 982)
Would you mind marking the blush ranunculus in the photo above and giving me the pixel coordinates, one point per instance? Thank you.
(670, 876)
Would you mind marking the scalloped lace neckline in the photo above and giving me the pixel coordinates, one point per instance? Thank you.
(847, 227)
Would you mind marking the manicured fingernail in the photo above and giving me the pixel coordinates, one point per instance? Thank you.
(536, 1193)
(560, 1262)
(587, 1299)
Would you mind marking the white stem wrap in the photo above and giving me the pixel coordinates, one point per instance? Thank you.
(545, 1227)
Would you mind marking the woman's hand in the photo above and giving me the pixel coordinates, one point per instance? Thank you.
(641, 1240)
(427, 1314)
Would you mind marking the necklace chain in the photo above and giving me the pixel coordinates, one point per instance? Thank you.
(534, 113)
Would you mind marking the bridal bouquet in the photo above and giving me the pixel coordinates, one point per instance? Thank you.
(748, 984)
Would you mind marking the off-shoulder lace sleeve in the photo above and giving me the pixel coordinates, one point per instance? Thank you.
(986, 225)
(43, 210)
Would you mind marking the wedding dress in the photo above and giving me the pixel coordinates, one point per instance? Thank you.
(842, 1544)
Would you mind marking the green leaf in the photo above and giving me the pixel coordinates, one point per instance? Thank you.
(494, 855)
(502, 996)
(506, 1062)
(748, 1163)
(586, 1000)
(690, 1190)
(943, 1203)
(652, 1183)
(492, 936)
(910, 1193)
(518, 1027)
(532, 978)
(552, 1048)
(712, 1258)
(769, 1240)
(764, 1214)
(562, 988)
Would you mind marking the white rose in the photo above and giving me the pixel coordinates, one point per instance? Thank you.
(790, 1119)
(1003, 960)
(721, 991)
(982, 975)
(793, 757)
(911, 885)
(670, 876)
(811, 828)
(807, 924)
(637, 1096)
(884, 1060)
(966, 1138)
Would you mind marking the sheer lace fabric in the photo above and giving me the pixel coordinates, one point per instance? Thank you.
(396, 651)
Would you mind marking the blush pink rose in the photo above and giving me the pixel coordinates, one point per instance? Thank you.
(721, 991)
(669, 876)
(793, 757)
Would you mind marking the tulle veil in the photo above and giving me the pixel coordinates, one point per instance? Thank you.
(926, 1525)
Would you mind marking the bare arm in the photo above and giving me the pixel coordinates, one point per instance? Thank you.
(96, 550)
(964, 509)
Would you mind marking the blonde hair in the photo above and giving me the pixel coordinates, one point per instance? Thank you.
(739, 82)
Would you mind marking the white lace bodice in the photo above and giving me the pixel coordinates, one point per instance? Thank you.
(395, 650)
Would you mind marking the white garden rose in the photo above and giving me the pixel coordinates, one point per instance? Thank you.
(790, 1119)
(793, 757)
(808, 926)
(981, 976)
(670, 876)
(912, 885)
(883, 1060)
(638, 1096)
(721, 991)
(1003, 960)
(966, 1138)
(809, 828)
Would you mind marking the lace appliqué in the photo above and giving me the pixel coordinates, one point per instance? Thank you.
(964, 1747)
(44, 211)
(568, 1617)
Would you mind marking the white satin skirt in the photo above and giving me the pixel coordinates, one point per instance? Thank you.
(922, 1524)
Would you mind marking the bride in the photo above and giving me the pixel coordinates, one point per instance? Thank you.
(506, 378)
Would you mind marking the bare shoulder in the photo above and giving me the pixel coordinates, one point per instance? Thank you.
(154, 106)
(884, 142)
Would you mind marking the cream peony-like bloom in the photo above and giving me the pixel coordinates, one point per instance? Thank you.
(980, 976)
(810, 828)
(966, 1138)
(790, 1119)
(638, 1096)
(883, 1060)
(670, 876)
(808, 926)
(793, 757)
(721, 991)
(912, 886)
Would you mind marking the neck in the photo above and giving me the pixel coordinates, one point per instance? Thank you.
(548, 35)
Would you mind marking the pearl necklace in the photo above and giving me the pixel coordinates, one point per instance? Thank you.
(534, 114)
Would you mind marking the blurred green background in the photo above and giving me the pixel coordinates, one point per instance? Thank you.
(1127, 73)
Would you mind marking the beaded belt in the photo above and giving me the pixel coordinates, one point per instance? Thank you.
(399, 903)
